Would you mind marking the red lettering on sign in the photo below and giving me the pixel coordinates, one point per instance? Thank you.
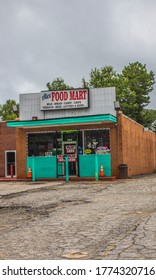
(72, 95)
(65, 95)
(77, 94)
(52, 96)
(59, 95)
(80, 94)
(84, 94)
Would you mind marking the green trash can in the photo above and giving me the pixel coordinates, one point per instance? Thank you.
(123, 171)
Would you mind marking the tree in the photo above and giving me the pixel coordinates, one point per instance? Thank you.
(58, 84)
(153, 126)
(149, 117)
(133, 86)
(7, 112)
(108, 77)
(104, 77)
(140, 82)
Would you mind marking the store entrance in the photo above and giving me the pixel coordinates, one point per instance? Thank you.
(70, 149)
(10, 163)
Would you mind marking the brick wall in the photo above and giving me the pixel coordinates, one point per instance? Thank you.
(137, 147)
(7, 142)
(21, 151)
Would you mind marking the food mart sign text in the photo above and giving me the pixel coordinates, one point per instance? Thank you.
(67, 99)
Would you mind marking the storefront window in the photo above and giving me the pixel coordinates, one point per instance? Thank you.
(56, 143)
(97, 141)
(42, 144)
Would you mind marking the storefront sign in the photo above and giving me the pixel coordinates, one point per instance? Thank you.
(72, 158)
(70, 149)
(60, 158)
(68, 99)
(102, 150)
(87, 151)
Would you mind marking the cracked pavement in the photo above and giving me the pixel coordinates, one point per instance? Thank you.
(78, 220)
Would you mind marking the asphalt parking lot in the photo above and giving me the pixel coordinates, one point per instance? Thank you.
(78, 220)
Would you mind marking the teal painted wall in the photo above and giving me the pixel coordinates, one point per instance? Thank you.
(87, 165)
(45, 167)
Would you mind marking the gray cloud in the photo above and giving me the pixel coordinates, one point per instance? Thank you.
(41, 40)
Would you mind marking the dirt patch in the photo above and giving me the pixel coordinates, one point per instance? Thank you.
(76, 255)
(140, 213)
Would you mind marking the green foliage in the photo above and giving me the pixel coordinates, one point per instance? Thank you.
(149, 118)
(153, 126)
(58, 84)
(133, 86)
(85, 84)
(6, 110)
(140, 82)
(104, 77)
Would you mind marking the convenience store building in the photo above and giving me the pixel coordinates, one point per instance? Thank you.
(79, 130)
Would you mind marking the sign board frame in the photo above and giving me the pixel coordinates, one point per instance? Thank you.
(64, 99)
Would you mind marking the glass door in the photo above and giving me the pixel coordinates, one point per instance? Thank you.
(70, 150)
(10, 163)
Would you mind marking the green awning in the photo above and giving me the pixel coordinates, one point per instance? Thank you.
(63, 121)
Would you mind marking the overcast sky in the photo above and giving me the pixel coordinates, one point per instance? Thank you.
(42, 40)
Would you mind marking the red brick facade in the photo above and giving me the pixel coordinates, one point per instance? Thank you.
(7, 143)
